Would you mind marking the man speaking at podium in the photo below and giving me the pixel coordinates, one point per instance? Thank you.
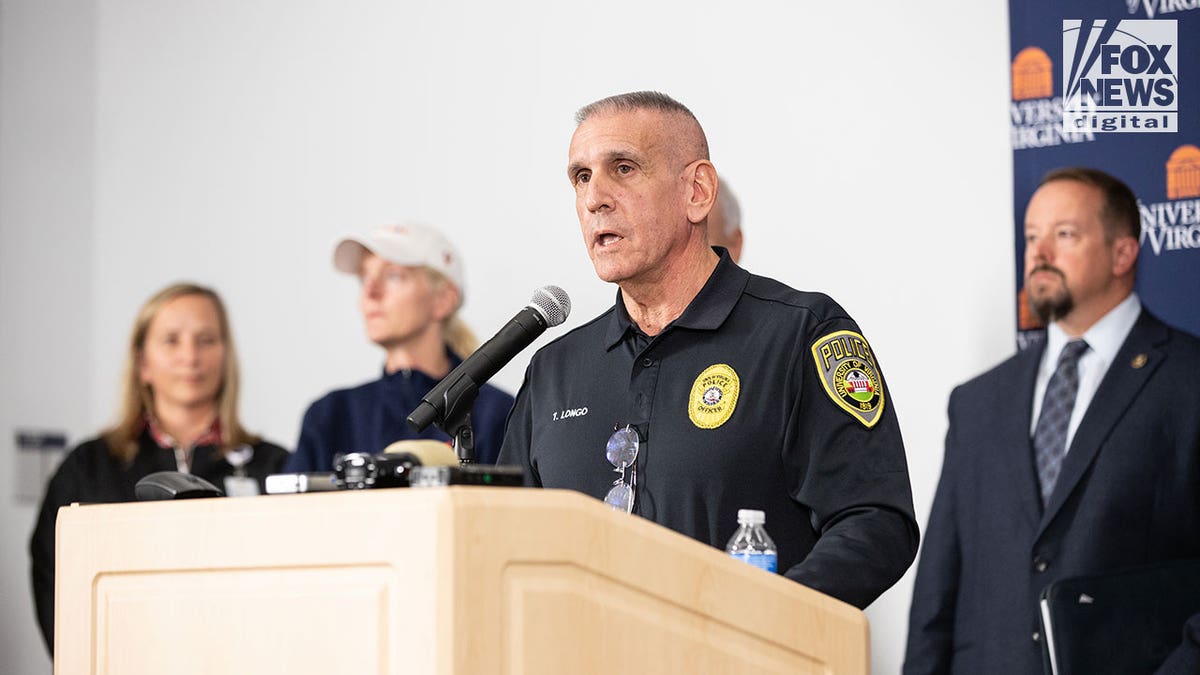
(707, 389)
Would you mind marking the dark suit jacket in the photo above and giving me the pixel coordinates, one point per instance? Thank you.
(1128, 494)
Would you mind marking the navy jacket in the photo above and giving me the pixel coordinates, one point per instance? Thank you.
(372, 416)
(1128, 495)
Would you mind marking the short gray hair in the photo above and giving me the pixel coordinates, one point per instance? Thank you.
(634, 100)
(647, 100)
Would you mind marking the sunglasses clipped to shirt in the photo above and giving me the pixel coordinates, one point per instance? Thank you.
(622, 452)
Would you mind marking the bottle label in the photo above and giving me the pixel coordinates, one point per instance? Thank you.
(763, 561)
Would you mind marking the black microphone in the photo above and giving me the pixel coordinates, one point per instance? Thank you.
(549, 307)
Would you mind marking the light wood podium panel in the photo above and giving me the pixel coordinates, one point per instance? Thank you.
(435, 580)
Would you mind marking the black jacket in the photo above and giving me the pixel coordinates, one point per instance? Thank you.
(91, 474)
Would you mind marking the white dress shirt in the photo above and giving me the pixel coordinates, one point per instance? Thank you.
(1104, 339)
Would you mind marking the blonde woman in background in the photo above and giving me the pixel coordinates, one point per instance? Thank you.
(179, 412)
(411, 289)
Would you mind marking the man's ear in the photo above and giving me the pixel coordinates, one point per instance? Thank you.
(1125, 253)
(702, 192)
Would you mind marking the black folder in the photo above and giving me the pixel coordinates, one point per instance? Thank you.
(1125, 621)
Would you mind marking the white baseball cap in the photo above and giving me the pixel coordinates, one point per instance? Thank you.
(409, 244)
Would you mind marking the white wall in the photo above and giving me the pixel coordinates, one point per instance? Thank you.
(232, 141)
(46, 272)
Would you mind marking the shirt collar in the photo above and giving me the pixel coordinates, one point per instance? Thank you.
(167, 442)
(1105, 337)
(707, 311)
(406, 373)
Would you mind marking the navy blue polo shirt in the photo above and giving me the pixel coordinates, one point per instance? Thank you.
(758, 396)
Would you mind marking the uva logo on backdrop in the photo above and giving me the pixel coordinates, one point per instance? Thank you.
(1035, 111)
(1120, 76)
(1155, 7)
(1173, 226)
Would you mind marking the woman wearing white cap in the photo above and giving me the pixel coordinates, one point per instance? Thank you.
(412, 287)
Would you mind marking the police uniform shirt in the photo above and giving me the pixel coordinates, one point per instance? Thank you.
(758, 396)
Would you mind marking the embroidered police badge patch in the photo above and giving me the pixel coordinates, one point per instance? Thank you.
(850, 376)
(714, 396)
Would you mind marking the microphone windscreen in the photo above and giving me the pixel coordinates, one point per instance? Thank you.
(428, 451)
(552, 303)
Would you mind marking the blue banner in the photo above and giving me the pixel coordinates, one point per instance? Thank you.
(1115, 85)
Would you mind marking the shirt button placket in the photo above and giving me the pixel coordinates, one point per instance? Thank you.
(645, 378)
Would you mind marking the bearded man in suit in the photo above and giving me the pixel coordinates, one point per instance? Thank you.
(1076, 457)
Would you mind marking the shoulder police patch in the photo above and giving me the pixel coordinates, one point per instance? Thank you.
(849, 374)
(714, 396)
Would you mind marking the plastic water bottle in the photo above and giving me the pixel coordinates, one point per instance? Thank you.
(752, 543)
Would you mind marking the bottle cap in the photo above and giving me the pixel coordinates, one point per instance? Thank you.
(751, 517)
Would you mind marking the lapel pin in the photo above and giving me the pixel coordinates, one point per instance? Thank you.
(1138, 361)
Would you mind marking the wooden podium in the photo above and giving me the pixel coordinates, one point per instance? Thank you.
(435, 580)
